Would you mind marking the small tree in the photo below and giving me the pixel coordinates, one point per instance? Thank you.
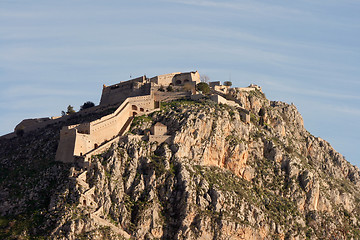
(169, 88)
(70, 110)
(161, 88)
(228, 83)
(86, 105)
(203, 87)
(204, 78)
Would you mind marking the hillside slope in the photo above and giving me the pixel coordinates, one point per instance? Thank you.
(220, 178)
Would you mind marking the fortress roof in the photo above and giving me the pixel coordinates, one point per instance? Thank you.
(159, 124)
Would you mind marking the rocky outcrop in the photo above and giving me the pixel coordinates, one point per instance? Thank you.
(220, 178)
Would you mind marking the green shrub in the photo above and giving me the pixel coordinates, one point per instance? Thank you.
(170, 88)
(228, 83)
(86, 105)
(161, 88)
(203, 87)
(70, 110)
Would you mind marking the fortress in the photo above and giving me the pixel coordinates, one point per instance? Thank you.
(144, 86)
(136, 97)
(131, 98)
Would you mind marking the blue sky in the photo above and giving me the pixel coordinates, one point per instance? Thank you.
(56, 53)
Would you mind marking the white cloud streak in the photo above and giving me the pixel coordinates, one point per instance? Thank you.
(248, 7)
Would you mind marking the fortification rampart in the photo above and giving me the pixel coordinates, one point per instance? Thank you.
(80, 139)
(220, 98)
(117, 93)
(65, 150)
(251, 87)
(164, 79)
(169, 96)
(84, 161)
(183, 78)
(29, 125)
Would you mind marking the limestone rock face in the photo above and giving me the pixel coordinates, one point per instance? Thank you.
(220, 178)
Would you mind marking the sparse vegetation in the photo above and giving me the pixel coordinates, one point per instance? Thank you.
(228, 83)
(204, 78)
(162, 88)
(70, 110)
(86, 105)
(139, 120)
(203, 87)
(170, 88)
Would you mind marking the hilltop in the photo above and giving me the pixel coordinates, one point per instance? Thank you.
(176, 163)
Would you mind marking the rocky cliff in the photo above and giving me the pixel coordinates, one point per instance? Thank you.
(220, 178)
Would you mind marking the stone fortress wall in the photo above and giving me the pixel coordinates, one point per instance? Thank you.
(36, 124)
(176, 79)
(77, 140)
(117, 93)
(144, 86)
(164, 79)
(251, 87)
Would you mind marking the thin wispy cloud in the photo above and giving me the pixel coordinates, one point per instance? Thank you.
(37, 91)
(285, 10)
(346, 109)
(249, 7)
